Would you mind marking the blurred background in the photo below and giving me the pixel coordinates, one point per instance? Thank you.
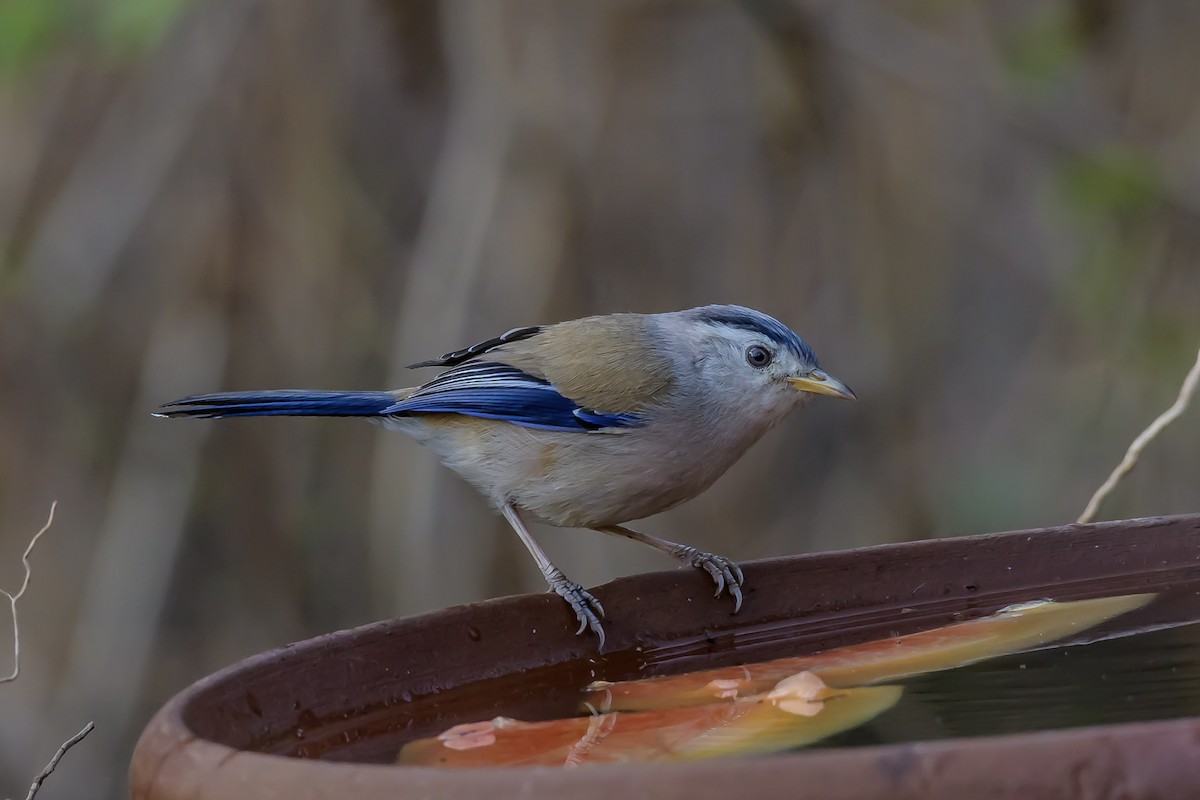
(984, 216)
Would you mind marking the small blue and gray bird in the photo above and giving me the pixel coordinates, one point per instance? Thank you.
(589, 423)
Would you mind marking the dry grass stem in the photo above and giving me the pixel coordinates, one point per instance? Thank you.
(62, 750)
(1131, 455)
(13, 598)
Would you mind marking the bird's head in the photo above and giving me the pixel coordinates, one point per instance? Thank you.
(749, 359)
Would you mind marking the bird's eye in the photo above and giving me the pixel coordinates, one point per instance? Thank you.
(758, 356)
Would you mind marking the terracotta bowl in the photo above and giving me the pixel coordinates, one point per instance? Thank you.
(295, 722)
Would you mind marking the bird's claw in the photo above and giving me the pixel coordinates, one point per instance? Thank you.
(587, 608)
(725, 573)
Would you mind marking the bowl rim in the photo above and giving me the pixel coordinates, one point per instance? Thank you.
(173, 760)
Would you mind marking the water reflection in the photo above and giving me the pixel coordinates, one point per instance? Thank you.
(757, 708)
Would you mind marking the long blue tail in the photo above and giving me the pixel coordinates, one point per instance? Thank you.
(280, 402)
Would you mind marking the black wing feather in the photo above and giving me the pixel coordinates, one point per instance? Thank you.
(457, 357)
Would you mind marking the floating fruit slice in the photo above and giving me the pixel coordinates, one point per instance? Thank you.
(800, 710)
(1009, 630)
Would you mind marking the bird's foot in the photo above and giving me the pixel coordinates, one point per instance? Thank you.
(585, 605)
(725, 573)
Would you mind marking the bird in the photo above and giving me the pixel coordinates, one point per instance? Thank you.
(587, 423)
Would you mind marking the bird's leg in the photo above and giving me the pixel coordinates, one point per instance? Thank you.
(725, 573)
(586, 607)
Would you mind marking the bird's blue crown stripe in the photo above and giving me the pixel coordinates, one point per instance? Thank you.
(750, 320)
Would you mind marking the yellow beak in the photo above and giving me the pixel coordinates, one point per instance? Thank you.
(820, 382)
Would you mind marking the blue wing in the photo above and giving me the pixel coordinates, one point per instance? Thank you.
(498, 391)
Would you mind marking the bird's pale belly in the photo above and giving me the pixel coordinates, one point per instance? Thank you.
(581, 479)
(612, 494)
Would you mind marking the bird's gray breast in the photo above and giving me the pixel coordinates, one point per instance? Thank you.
(608, 478)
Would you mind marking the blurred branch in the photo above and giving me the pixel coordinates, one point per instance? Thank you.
(113, 636)
(1186, 391)
(13, 598)
(126, 165)
(62, 751)
(879, 37)
(446, 264)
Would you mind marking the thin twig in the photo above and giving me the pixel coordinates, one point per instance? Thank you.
(62, 751)
(12, 603)
(13, 598)
(1131, 455)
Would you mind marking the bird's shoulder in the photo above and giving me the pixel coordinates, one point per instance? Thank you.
(612, 363)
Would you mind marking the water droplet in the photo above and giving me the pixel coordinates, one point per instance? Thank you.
(305, 722)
